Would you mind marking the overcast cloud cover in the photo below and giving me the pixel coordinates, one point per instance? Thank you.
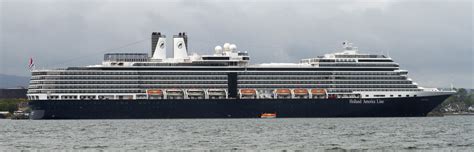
(431, 39)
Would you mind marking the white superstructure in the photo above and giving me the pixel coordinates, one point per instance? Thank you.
(345, 74)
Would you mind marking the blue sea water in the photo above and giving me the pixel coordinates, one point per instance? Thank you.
(451, 133)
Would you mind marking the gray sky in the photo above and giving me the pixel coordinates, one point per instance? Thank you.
(431, 39)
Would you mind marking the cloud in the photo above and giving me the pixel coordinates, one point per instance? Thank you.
(431, 39)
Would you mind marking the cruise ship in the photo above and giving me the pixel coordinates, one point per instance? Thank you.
(344, 83)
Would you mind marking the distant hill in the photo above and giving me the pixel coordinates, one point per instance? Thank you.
(12, 93)
(12, 81)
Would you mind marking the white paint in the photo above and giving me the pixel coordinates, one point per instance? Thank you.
(160, 49)
(180, 53)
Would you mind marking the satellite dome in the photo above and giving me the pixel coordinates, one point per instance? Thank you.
(218, 49)
(226, 46)
(195, 56)
(233, 47)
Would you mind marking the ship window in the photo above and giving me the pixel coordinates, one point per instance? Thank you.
(415, 95)
(366, 95)
(391, 95)
(408, 95)
(399, 95)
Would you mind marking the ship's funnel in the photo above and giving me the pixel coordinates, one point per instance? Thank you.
(158, 46)
(180, 46)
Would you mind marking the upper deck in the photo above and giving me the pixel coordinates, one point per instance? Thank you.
(228, 58)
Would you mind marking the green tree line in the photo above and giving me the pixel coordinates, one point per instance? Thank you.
(463, 96)
(462, 99)
(10, 105)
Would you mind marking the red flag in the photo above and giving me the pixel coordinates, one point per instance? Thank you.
(31, 64)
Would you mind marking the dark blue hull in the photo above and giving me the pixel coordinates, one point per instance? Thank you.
(233, 108)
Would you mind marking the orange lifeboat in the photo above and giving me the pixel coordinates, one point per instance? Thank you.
(283, 91)
(154, 92)
(318, 91)
(268, 115)
(248, 91)
(300, 91)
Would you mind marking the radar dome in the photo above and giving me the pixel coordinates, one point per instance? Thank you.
(233, 47)
(226, 46)
(218, 49)
(195, 56)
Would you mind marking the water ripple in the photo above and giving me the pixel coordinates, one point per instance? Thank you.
(450, 133)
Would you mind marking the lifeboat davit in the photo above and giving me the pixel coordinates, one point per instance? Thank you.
(301, 91)
(174, 92)
(318, 91)
(283, 91)
(154, 92)
(248, 91)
